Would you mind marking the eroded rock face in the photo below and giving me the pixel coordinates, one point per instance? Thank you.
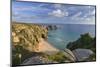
(36, 60)
(70, 55)
(28, 35)
(82, 54)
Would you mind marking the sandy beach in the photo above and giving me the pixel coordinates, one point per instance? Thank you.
(46, 47)
(43, 47)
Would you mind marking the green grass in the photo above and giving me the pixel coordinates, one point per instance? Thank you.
(59, 57)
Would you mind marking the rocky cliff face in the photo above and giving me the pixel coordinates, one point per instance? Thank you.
(29, 41)
(27, 35)
(83, 54)
(30, 46)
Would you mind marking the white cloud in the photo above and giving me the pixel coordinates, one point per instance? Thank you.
(58, 13)
(77, 14)
(77, 17)
(66, 13)
(93, 12)
(41, 5)
(22, 8)
(57, 5)
(15, 13)
(89, 14)
(84, 19)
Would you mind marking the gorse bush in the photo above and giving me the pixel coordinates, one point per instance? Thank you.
(25, 38)
(85, 41)
(59, 57)
(28, 35)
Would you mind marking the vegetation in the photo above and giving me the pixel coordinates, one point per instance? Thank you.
(59, 57)
(27, 35)
(25, 38)
(19, 50)
(91, 58)
(85, 42)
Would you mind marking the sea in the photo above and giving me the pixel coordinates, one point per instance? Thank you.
(66, 33)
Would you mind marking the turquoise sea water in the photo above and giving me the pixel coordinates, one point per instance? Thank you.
(68, 33)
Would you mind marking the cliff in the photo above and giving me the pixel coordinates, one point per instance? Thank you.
(30, 46)
(27, 35)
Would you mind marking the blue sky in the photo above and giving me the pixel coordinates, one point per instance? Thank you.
(32, 12)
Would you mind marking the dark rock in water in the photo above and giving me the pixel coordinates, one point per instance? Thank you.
(49, 35)
(82, 54)
(51, 27)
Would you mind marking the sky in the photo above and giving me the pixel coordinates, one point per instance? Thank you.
(37, 12)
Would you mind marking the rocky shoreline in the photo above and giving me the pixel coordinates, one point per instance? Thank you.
(48, 49)
(30, 46)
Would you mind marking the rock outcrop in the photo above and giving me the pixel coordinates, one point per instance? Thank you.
(28, 35)
(69, 54)
(82, 54)
(84, 48)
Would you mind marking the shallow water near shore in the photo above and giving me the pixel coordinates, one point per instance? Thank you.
(68, 33)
